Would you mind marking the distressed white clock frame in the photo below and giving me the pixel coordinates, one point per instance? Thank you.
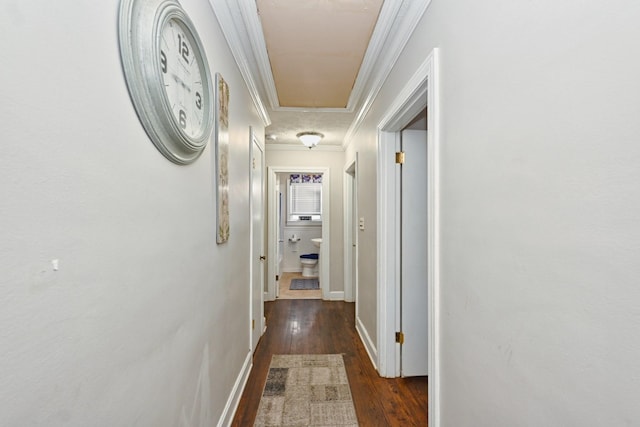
(140, 27)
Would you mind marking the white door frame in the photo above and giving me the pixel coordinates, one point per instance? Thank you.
(350, 185)
(421, 91)
(258, 329)
(272, 218)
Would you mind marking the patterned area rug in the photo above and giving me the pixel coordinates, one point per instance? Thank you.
(306, 390)
(304, 284)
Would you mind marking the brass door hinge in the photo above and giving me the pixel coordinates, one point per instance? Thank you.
(400, 157)
(277, 277)
(399, 337)
(253, 323)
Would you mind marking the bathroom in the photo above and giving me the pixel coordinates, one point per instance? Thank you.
(299, 222)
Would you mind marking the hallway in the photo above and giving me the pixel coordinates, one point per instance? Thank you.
(319, 327)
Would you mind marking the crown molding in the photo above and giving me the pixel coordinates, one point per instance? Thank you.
(311, 110)
(251, 21)
(229, 17)
(385, 27)
(299, 147)
(240, 23)
(405, 23)
(247, 17)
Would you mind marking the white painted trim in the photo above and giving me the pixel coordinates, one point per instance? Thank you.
(366, 341)
(238, 44)
(236, 393)
(312, 110)
(255, 33)
(405, 24)
(387, 250)
(325, 257)
(410, 101)
(243, 14)
(336, 296)
(241, 26)
(385, 28)
(433, 165)
(299, 147)
(420, 91)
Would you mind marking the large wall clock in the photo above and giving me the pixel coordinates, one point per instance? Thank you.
(168, 76)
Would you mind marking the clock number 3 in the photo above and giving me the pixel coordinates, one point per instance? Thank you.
(198, 100)
(183, 49)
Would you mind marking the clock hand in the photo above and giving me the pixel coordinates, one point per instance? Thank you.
(181, 82)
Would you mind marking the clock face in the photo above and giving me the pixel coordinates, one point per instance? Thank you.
(168, 76)
(182, 75)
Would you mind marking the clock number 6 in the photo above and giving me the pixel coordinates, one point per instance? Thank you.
(183, 49)
(183, 119)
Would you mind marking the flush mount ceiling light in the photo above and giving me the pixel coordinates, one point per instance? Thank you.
(310, 139)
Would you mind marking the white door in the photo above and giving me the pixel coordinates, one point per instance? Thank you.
(413, 288)
(257, 235)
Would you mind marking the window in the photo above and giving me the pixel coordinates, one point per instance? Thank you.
(305, 199)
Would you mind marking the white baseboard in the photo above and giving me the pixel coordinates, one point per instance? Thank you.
(234, 398)
(368, 344)
(336, 296)
(292, 270)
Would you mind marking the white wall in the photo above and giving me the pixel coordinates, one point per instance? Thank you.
(146, 322)
(540, 165)
(334, 160)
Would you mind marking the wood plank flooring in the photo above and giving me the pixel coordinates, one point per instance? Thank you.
(316, 326)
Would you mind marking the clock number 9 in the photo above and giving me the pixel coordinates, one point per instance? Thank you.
(183, 119)
(198, 101)
(163, 62)
(183, 49)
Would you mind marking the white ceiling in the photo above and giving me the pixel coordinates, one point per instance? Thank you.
(316, 65)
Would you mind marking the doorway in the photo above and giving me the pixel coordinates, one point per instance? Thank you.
(420, 92)
(274, 230)
(299, 222)
(257, 258)
(350, 191)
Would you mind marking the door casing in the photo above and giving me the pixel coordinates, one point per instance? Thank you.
(272, 237)
(421, 91)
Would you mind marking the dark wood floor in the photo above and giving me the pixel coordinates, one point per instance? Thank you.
(321, 327)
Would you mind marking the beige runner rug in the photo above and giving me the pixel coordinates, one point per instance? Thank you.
(306, 390)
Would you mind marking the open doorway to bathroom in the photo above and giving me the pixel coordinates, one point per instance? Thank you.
(298, 234)
(299, 222)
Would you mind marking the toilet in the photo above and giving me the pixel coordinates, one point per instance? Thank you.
(308, 262)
